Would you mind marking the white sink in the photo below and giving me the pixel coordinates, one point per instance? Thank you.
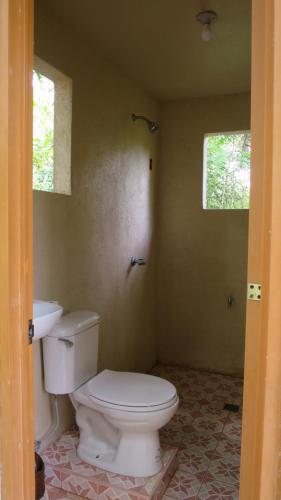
(45, 316)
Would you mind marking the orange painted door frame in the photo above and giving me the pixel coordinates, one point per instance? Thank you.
(261, 439)
(16, 403)
(261, 443)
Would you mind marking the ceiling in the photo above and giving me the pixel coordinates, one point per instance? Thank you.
(157, 42)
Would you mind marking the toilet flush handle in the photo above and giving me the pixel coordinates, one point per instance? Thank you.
(67, 342)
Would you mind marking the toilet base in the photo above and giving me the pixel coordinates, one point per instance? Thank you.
(117, 440)
(65, 470)
(136, 454)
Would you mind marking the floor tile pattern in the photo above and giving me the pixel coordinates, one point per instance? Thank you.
(207, 436)
(65, 471)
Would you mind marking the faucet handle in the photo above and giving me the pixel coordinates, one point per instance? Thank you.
(139, 262)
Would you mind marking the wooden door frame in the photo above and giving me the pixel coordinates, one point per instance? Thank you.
(16, 429)
(261, 415)
(261, 441)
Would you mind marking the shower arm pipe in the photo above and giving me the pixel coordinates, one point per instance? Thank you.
(153, 126)
(140, 117)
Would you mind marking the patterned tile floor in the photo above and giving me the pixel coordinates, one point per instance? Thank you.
(64, 469)
(207, 436)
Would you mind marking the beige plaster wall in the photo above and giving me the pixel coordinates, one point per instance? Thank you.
(202, 253)
(51, 282)
(83, 243)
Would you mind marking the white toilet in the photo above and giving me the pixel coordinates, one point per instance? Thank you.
(118, 413)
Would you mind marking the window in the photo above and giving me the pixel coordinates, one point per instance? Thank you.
(52, 97)
(226, 179)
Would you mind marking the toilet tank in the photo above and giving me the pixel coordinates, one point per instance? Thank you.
(70, 352)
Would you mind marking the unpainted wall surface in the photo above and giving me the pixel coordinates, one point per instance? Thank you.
(83, 243)
(202, 254)
(51, 282)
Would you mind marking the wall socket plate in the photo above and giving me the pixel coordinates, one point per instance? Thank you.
(254, 291)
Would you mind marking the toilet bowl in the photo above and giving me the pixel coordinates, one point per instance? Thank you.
(118, 414)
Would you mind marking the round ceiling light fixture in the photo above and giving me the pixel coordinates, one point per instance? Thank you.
(206, 18)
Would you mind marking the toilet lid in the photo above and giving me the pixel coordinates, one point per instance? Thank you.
(131, 389)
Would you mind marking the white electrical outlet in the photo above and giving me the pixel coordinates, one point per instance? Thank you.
(254, 291)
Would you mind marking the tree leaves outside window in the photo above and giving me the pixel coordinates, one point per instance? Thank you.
(227, 170)
(43, 132)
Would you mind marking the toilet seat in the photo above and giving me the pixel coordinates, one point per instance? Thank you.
(134, 392)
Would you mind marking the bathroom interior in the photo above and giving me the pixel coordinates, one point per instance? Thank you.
(120, 191)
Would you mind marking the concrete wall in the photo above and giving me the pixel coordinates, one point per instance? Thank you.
(202, 253)
(83, 243)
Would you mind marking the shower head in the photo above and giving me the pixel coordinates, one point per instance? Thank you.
(152, 126)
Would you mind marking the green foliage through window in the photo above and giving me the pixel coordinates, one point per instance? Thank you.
(43, 132)
(227, 159)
